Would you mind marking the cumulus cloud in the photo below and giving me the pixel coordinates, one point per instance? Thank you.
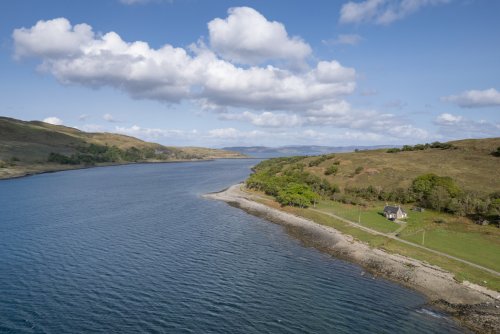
(52, 39)
(382, 11)
(53, 120)
(475, 98)
(456, 126)
(173, 74)
(247, 37)
(264, 95)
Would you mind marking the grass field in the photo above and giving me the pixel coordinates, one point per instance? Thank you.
(443, 232)
(469, 242)
(367, 216)
(456, 236)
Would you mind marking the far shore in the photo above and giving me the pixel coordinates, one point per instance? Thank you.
(36, 169)
(476, 307)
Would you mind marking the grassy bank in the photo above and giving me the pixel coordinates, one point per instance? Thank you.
(483, 247)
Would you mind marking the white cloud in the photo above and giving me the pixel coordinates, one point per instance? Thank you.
(54, 38)
(348, 39)
(475, 98)
(448, 119)
(266, 119)
(337, 115)
(265, 96)
(172, 74)
(109, 118)
(53, 120)
(156, 133)
(247, 37)
(455, 126)
(382, 11)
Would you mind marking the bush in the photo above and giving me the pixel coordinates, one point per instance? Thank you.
(332, 170)
(321, 159)
(420, 147)
(496, 153)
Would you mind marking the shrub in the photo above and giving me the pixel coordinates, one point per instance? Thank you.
(496, 153)
(332, 170)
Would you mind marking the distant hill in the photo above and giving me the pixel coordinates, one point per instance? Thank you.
(283, 151)
(27, 147)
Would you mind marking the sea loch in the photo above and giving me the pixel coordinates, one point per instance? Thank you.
(136, 248)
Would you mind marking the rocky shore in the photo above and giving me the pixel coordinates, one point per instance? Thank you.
(474, 306)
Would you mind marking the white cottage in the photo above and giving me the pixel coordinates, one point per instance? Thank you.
(393, 212)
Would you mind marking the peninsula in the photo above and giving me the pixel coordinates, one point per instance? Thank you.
(448, 245)
(35, 147)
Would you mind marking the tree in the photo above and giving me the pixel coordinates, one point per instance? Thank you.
(439, 198)
(295, 194)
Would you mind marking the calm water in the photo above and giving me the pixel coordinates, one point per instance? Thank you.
(135, 249)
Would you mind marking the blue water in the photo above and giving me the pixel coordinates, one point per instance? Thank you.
(135, 248)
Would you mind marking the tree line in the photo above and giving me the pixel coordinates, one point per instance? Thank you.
(94, 153)
(421, 147)
(286, 180)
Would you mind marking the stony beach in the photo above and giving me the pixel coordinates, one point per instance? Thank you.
(476, 307)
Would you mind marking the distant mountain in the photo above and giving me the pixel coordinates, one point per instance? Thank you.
(273, 152)
(34, 147)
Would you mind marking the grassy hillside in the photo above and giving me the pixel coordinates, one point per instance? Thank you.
(25, 148)
(469, 163)
(463, 177)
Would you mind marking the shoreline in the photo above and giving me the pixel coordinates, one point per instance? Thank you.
(79, 167)
(476, 307)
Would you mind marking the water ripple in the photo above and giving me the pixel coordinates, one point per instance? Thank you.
(136, 249)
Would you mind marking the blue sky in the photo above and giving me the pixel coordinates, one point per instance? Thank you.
(227, 73)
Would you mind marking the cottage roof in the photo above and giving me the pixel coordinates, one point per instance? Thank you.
(393, 209)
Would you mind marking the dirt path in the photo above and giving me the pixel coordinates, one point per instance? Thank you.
(393, 236)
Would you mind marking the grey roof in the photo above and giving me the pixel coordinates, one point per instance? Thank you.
(393, 209)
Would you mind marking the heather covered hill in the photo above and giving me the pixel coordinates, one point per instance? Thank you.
(32, 147)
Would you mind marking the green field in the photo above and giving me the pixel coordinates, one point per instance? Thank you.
(482, 247)
(367, 216)
(443, 232)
